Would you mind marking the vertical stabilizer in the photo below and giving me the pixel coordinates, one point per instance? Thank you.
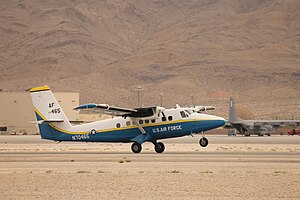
(232, 113)
(48, 112)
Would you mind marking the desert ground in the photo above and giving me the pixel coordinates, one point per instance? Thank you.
(229, 168)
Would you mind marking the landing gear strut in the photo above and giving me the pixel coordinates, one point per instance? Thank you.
(203, 141)
(136, 147)
(159, 147)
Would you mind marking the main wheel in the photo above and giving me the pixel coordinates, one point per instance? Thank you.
(203, 142)
(136, 147)
(159, 147)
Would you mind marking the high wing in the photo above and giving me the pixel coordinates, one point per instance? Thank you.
(125, 112)
(107, 109)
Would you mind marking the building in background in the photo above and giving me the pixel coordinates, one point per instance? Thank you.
(17, 113)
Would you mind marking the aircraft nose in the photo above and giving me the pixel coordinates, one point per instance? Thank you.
(219, 121)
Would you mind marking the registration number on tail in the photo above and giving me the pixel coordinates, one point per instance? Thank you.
(80, 137)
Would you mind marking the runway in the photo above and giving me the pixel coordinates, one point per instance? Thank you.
(213, 139)
(229, 168)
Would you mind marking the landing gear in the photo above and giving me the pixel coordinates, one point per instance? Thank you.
(203, 142)
(136, 147)
(159, 147)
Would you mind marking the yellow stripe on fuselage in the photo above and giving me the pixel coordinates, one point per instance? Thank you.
(121, 128)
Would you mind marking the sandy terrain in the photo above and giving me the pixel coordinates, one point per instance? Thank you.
(209, 49)
(229, 168)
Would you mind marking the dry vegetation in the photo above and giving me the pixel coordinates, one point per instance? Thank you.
(209, 48)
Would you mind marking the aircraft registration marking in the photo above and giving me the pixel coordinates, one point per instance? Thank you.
(167, 128)
(80, 137)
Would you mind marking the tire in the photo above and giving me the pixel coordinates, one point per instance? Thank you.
(159, 147)
(136, 147)
(203, 142)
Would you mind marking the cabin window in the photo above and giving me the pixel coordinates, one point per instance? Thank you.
(147, 121)
(152, 120)
(170, 118)
(128, 123)
(133, 123)
(163, 119)
(183, 114)
(118, 125)
(141, 122)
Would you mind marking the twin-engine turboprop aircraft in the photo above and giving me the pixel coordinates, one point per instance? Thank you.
(139, 125)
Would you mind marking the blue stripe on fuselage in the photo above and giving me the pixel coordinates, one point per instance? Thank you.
(162, 131)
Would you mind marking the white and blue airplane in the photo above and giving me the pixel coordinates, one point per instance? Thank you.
(136, 126)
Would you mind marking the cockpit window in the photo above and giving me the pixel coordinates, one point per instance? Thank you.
(183, 114)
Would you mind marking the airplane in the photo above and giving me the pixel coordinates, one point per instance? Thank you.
(255, 127)
(136, 126)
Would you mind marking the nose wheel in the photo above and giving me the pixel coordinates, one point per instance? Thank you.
(203, 142)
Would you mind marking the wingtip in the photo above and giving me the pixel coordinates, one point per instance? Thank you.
(85, 106)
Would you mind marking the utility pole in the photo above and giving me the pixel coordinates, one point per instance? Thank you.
(193, 100)
(138, 90)
(161, 99)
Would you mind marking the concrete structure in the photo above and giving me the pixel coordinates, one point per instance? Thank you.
(16, 111)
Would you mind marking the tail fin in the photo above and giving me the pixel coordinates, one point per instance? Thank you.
(48, 110)
(232, 113)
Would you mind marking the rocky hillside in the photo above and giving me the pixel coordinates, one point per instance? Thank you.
(209, 49)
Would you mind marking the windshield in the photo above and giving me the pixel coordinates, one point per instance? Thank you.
(184, 114)
(189, 111)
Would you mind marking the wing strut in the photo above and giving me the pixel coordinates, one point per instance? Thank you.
(139, 126)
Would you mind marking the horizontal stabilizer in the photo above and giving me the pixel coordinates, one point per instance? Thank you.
(46, 121)
(53, 120)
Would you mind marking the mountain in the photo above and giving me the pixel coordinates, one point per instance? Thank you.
(209, 49)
